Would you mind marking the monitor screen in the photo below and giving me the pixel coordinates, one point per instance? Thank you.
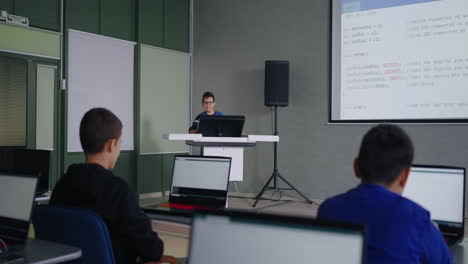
(16, 196)
(233, 240)
(221, 126)
(438, 189)
(32, 160)
(192, 174)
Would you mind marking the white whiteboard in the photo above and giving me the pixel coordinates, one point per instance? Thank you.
(100, 74)
(164, 99)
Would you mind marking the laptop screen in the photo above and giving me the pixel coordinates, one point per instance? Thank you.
(233, 240)
(16, 200)
(17, 195)
(200, 176)
(440, 190)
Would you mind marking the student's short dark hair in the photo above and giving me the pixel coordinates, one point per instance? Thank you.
(97, 127)
(385, 151)
(208, 95)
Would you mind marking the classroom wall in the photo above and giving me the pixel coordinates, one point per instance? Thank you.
(157, 23)
(232, 39)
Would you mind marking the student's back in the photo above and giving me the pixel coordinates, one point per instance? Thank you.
(398, 230)
(92, 185)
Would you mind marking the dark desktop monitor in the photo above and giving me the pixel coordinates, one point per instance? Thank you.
(221, 126)
(31, 160)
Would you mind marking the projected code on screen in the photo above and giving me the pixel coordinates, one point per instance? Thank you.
(415, 73)
(400, 62)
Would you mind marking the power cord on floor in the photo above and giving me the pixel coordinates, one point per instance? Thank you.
(273, 194)
(262, 198)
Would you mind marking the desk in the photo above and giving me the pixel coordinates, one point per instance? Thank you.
(174, 229)
(460, 252)
(46, 252)
(180, 217)
(232, 147)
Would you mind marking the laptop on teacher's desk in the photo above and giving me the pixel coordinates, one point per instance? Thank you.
(440, 190)
(198, 182)
(17, 191)
(221, 126)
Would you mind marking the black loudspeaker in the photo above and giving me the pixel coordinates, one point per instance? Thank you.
(276, 83)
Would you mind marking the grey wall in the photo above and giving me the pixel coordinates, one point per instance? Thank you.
(232, 39)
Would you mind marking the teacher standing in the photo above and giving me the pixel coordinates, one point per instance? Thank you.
(208, 103)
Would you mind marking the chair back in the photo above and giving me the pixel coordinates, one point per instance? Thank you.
(77, 227)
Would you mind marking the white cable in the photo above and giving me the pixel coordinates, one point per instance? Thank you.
(235, 186)
(4, 246)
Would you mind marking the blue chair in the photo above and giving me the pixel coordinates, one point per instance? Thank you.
(77, 227)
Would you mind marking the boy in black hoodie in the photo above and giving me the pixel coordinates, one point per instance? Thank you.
(92, 185)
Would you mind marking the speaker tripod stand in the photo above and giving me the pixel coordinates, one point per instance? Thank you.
(276, 175)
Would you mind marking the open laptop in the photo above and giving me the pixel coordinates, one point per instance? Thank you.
(16, 200)
(221, 125)
(199, 182)
(246, 237)
(441, 190)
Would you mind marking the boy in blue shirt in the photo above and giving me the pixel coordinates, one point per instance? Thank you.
(208, 103)
(399, 231)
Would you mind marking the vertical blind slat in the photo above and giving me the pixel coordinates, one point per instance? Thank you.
(13, 82)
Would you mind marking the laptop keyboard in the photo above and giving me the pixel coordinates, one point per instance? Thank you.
(12, 234)
(185, 206)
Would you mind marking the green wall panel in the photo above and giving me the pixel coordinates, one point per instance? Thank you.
(6, 5)
(28, 40)
(117, 19)
(41, 13)
(150, 174)
(124, 168)
(168, 165)
(73, 158)
(176, 24)
(164, 82)
(151, 22)
(83, 15)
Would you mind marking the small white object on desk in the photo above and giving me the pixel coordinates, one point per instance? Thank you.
(41, 198)
(263, 138)
(183, 136)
